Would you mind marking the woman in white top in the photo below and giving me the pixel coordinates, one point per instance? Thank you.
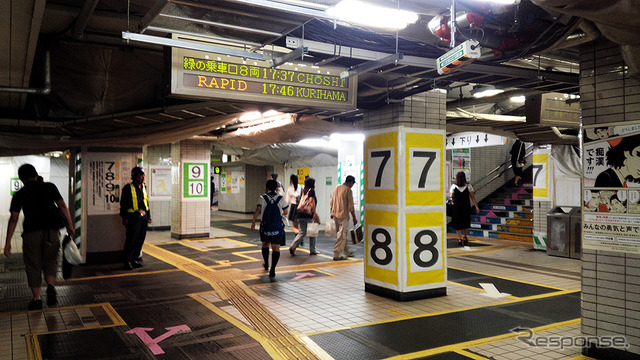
(292, 196)
(460, 192)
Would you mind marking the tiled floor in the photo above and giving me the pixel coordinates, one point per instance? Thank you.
(310, 296)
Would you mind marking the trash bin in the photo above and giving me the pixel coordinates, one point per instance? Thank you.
(559, 231)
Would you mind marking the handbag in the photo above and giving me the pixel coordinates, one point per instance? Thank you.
(313, 229)
(304, 206)
(330, 228)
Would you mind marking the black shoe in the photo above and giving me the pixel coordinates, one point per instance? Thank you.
(35, 305)
(292, 252)
(266, 266)
(52, 295)
(272, 273)
(127, 266)
(137, 264)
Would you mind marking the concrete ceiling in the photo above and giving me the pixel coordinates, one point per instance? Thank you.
(67, 78)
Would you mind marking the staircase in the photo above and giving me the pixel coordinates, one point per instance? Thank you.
(506, 214)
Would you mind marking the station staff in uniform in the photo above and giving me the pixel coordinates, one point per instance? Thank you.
(134, 210)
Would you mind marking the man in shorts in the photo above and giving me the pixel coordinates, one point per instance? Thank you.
(45, 213)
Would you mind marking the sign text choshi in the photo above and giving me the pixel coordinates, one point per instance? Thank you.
(228, 77)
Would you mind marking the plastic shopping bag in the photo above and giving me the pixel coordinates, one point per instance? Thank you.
(313, 229)
(71, 252)
(330, 228)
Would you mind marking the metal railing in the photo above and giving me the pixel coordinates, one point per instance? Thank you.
(497, 173)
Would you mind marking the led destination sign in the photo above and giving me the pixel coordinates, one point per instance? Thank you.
(256, 87)
(206, 75)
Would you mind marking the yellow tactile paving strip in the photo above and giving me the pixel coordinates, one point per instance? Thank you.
(264, 322)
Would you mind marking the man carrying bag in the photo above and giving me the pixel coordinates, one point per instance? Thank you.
(341, 206)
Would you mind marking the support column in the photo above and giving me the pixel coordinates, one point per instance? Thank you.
(405, 217)
(190, 212)
(610, 108)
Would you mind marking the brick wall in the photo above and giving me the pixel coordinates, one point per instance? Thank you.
(610, 280)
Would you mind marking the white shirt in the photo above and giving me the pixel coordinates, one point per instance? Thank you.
(461, 188)
(282, 204)
(292, 195)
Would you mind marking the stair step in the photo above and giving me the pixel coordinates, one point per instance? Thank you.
(503, 228)
(505, 207)
(501, 235)
(500, 220)
(507, 214)
(499, 202)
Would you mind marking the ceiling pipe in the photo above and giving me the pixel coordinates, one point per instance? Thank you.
(489, 99)
(563, 136)
(83, 18)
(46, 90)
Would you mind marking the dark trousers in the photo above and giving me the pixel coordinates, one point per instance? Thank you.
(136, 233)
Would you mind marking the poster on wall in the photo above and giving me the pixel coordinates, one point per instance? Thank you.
(160, 182)
(461, 161)
(303, 174)
(107, 175)
(611, 183)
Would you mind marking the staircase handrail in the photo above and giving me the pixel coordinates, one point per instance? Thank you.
(479, 187)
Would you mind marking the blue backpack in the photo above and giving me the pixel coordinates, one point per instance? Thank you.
(271, 224)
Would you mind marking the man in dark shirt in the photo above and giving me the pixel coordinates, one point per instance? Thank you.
(135, 213)
(45, 213)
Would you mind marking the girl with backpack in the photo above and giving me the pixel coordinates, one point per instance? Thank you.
(306, 212)
(271, 207)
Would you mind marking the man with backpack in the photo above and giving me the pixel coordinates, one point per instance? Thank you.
(271, 207)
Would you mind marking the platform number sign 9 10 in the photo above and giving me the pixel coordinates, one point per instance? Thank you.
(195, 180)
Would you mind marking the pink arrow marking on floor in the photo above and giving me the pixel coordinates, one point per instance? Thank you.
(153, 343)
(303, 275)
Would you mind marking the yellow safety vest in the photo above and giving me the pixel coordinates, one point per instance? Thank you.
(134, 198)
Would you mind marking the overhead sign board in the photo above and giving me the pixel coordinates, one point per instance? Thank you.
(208, 76)
(459, 56)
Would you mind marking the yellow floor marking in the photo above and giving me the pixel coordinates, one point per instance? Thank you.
(581, 357)
(471, 355)
(31, 339)
(141, 273)
(511, 301)
(243, 299)
(398, 312)
(506, 278)
(478, 342)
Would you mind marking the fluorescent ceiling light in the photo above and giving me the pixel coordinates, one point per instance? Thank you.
(518, 99)
(484, 91)
(362, 13)
(251, 115)
(270, 123)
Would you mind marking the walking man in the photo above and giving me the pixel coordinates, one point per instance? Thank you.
(134, 210)
(45, 213)
(341, 206)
